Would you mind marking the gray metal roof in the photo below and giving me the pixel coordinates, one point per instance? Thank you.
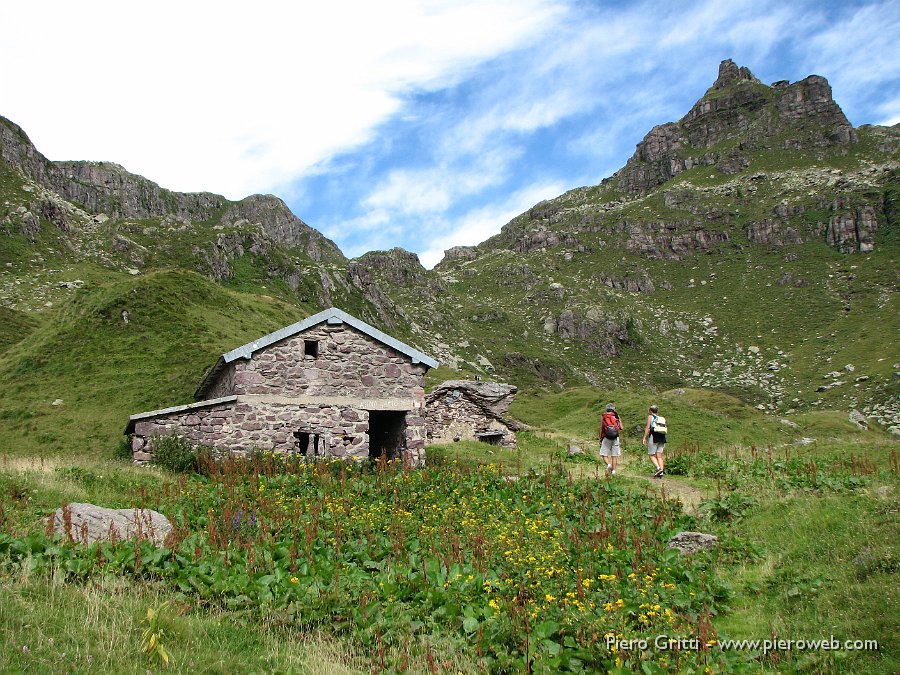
(333, 316)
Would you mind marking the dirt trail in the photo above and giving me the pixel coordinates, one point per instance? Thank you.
(672, 487)
(638, 467)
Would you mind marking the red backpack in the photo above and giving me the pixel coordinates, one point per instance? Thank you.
(610, 425)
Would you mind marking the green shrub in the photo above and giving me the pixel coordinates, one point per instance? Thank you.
(731, 506)
(174, 453)
(123, 449)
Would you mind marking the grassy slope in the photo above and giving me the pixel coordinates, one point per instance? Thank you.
(14, 326)
(105, 369)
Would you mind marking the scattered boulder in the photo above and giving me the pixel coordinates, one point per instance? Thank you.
(87, 523)
(691, 542)
(574, 450)
(859, 420)
(789, 423)
(57, 401)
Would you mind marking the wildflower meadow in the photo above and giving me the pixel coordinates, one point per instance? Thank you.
(535, 573)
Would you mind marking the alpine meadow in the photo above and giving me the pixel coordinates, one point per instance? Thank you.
(740, 272)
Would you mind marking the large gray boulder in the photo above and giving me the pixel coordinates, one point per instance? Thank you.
(88, 523)
(691, 542)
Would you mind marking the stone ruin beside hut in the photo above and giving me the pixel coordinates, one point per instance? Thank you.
(471, 410)
(328, 386)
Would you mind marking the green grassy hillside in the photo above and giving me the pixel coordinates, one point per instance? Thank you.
(104, 368)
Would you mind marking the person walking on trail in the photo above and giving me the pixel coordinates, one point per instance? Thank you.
(655, 440)
(609, 432)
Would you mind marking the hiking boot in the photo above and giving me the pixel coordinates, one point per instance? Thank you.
(659, 473)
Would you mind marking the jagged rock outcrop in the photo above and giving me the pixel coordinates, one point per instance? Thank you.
(772, 232)
(671, 239)
(105, 187)
(594, 330)
(281, 226)
(852, 228)
(640, 284)
(738, 107)
(461, 253)
(372, 272)
(396, 266)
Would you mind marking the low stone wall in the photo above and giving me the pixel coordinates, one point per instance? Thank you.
(452, 418)
(247, 424)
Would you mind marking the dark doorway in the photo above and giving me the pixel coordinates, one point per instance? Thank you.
(490, 437)
(387, 433)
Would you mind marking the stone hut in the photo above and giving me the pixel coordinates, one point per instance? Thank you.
(327, 386)
(475, 411)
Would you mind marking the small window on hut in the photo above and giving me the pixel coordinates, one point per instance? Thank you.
(311, 348)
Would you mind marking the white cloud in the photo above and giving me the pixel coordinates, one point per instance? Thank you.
(220, 96)
(479, 224)
(436, 188)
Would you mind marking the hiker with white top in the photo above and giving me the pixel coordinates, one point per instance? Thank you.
(655, 440)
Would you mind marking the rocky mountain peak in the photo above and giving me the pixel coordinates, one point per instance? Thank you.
(737, 116)
(730, 73)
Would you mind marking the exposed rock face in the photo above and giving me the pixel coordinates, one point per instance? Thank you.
(374, 271)
(772, 232)
(397, 266)
(691, 542)
(281, 226)
(107, 188)
(673, 240)
(811, 99)
(104, 187)
(852, 228)
(596, 331)
(461, 253)
(641, 284)
(87, 523)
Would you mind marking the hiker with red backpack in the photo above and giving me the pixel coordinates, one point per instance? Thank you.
(655, 440)
(610, 446)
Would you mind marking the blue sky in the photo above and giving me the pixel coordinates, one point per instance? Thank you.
(406, 123)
